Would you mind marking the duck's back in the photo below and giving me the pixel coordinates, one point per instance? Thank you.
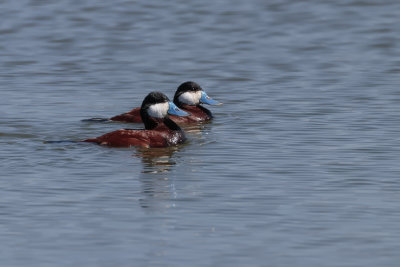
(131, 116)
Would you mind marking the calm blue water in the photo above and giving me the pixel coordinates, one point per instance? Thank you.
(299, 168)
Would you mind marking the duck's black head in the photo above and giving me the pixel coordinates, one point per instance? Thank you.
(154, 98)
(155, 107)
(190, 93)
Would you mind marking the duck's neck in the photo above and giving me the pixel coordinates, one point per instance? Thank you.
(205, 110)
(171, 124)
(152, 123)
(190, 107)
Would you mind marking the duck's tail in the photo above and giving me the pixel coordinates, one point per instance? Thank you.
(96, 120)
(90, 140)
(60, 141)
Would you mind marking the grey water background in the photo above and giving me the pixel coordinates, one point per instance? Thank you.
(300, 166)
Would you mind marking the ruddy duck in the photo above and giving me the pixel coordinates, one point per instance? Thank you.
(160, 130)
(189, 96)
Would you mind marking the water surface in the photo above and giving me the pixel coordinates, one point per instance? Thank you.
(298, 168)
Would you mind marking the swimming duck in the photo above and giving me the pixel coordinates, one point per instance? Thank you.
(160, 130)
(189, 96)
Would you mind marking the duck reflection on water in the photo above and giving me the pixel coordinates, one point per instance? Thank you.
(158, 190)
(156, 160)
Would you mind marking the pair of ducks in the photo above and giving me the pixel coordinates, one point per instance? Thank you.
(161, 129)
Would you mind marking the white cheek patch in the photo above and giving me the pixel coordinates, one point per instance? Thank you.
(158, 110)
(190, 98)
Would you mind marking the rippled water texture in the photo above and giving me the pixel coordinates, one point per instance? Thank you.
(300, 166)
